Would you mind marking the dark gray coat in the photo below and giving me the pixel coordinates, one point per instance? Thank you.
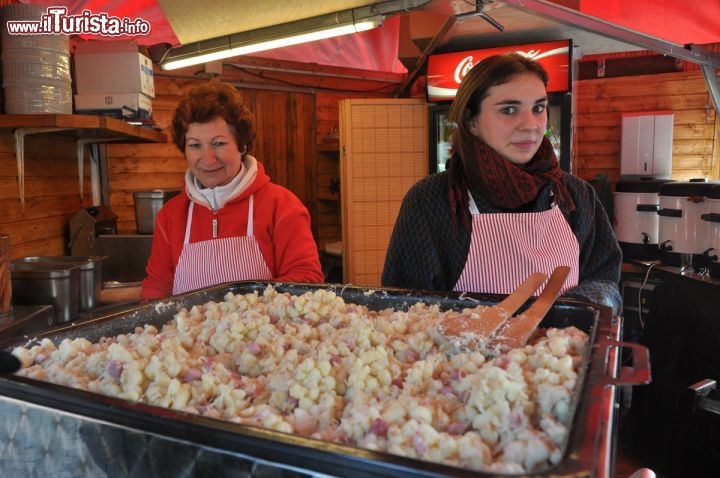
(425, 253)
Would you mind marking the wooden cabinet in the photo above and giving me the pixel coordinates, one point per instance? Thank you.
(328, 170)
(327, 223)
(384, 145)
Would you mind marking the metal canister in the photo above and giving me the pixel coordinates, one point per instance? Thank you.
(5, 282)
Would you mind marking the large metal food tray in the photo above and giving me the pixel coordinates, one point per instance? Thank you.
(123, 436)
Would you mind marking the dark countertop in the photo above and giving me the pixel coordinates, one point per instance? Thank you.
(682, 334)
(26, 319)
(657, 268)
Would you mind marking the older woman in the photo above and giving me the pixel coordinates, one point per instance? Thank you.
(232, 223)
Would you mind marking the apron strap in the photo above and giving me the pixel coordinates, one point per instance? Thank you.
(189, 222)
(471, 205)
(250, 217)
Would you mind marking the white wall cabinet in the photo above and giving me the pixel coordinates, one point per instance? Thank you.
(646, 148)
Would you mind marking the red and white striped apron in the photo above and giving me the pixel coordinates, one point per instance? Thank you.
(505, 248)
(215, 261)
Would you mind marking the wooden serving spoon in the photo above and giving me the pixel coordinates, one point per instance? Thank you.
(517, 330)
(490, 318)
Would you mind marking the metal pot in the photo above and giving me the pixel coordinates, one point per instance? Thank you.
(89, 275)
(147, 205)
(44, 283)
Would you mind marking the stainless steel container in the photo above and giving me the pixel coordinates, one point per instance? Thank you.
(147, 205)
(40, 283)
(5, 282)
(90, 275)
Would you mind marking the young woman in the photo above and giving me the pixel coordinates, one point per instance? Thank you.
(503, 209)
(232, 223)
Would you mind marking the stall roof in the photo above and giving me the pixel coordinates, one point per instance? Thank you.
(678, 29)
(180, 22)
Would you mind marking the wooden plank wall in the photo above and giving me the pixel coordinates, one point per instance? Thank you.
(285, 146)
(290, 124)
(599, 103)
(296, 108)
(295, 104)
(52, 194)
(134, 167)
(309, 100)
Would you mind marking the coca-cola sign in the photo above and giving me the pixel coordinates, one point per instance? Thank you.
(446, 71)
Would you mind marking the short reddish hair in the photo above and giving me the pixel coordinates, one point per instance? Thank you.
(214, 100)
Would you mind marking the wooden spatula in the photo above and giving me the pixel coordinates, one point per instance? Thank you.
(491, 318)
(517, 330)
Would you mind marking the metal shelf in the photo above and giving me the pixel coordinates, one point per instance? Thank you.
(81, 126)
(85, 129)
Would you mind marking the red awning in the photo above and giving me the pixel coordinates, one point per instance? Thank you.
(682, 22)
(677, 21)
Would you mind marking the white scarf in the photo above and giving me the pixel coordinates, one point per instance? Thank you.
(217, 197)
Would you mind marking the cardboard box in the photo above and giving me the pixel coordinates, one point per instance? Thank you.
(94, 47)
(119, 105)
(113, 72)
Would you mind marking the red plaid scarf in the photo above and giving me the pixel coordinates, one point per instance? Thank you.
(507, 185)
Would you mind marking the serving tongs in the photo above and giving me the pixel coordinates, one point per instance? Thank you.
(493, 330)
(484, 321)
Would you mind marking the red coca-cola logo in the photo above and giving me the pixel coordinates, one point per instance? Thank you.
(446, 71)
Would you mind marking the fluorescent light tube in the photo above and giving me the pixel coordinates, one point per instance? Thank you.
(243, 48)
